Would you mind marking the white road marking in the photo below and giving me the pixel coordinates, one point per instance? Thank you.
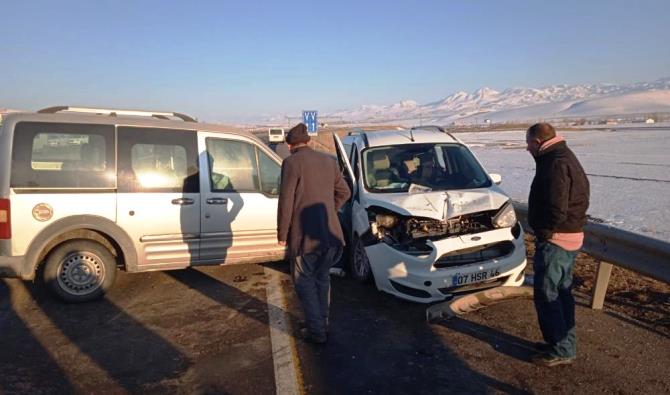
(284, 353)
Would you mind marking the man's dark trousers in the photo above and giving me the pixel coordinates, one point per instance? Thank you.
(311, 276)
(554, 303)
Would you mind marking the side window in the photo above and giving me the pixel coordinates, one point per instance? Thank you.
(270, 173)
(157, 160)
(232, 166)
(61, 155)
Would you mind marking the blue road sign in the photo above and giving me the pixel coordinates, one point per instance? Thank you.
(309, 119)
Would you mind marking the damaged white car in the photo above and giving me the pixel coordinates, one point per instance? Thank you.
(425, 220)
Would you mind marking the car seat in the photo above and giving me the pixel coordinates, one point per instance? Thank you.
(90, 159)
(382, 175)
(425, 172)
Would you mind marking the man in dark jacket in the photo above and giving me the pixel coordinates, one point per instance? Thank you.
(312, 190)
(559, 198)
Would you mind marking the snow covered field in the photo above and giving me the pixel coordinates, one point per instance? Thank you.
(629, 171)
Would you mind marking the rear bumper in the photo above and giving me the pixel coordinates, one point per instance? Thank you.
(15, 266)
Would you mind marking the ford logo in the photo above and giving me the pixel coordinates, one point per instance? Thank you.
(475, 238)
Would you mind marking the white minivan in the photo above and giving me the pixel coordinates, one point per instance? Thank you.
(426, 221)
(276, 135)
(86, 191)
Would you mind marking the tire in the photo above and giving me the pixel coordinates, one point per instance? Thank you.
(359, 265)
(80, 271)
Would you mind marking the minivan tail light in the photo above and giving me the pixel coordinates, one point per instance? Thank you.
(5, 220)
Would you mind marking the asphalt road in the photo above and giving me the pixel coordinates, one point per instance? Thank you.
(188, 331)
(207, 330)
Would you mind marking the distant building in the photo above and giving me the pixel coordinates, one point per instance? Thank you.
(650, 120)
(487, 121)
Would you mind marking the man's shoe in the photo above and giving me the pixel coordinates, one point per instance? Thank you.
(309, 337)
(303, 325)
(542, 347)
(550, 360)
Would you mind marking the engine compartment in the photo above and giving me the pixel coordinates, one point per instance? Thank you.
(409, 234)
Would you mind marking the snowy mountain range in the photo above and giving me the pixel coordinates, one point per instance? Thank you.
(523, 104)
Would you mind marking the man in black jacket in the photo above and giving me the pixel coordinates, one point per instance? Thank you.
(312, 190)
(559, 198)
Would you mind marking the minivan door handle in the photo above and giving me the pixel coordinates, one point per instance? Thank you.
(183, 202)
(217, 201)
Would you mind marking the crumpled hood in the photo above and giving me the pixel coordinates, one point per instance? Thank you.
(440, 205)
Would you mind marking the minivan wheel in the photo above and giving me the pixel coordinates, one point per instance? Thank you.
(359, 263)
(80, 270)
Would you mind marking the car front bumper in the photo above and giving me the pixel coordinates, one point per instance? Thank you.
(416, 278)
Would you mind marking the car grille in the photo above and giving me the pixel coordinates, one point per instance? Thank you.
(475, 254)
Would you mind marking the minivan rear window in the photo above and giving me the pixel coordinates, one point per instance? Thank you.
(62, 155)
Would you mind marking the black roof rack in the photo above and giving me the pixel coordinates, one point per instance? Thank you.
(429, 127)
(435, 128)
(115, 112)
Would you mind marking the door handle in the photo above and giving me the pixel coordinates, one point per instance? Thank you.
(183, 202)
(217, 201)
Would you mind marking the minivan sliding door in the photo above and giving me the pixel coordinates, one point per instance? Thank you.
(158, 194)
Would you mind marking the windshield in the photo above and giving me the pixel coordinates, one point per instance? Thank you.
(276, 132)
(422, 168)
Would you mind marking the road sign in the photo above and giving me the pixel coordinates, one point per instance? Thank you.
(309, 119)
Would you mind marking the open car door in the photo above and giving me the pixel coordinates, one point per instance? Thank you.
(346, 212)
(345, 167)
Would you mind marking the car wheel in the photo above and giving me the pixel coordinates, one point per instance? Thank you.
(80, 271)
(359, 263)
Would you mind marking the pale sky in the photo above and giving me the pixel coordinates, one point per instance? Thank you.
(235, 61)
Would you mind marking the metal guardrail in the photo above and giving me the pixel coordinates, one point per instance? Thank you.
(642, 254)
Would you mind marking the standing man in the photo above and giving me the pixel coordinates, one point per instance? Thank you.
(559, 198)
(312, 190)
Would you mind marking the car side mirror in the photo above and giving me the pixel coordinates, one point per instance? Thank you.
(496, 178)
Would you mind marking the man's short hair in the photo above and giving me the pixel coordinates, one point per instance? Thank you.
(542, 131)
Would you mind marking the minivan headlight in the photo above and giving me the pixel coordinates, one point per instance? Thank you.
(506, 217)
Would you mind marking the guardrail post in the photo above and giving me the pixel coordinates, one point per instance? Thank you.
(602, 280)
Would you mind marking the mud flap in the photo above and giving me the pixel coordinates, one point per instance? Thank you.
(476, 301)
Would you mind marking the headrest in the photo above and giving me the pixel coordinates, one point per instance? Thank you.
(380, 160)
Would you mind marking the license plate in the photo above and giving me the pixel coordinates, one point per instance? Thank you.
(475, 277)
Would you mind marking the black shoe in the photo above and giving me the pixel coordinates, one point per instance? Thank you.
(542, 347)
(309, 337)
(303, 325)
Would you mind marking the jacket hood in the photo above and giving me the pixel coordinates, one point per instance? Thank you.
(553, 148)
(440, 205)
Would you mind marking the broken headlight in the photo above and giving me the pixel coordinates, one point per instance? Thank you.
(387, 221)
(505, 217)
(384, 226)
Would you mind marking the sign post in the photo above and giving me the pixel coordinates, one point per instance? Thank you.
(309, 118)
